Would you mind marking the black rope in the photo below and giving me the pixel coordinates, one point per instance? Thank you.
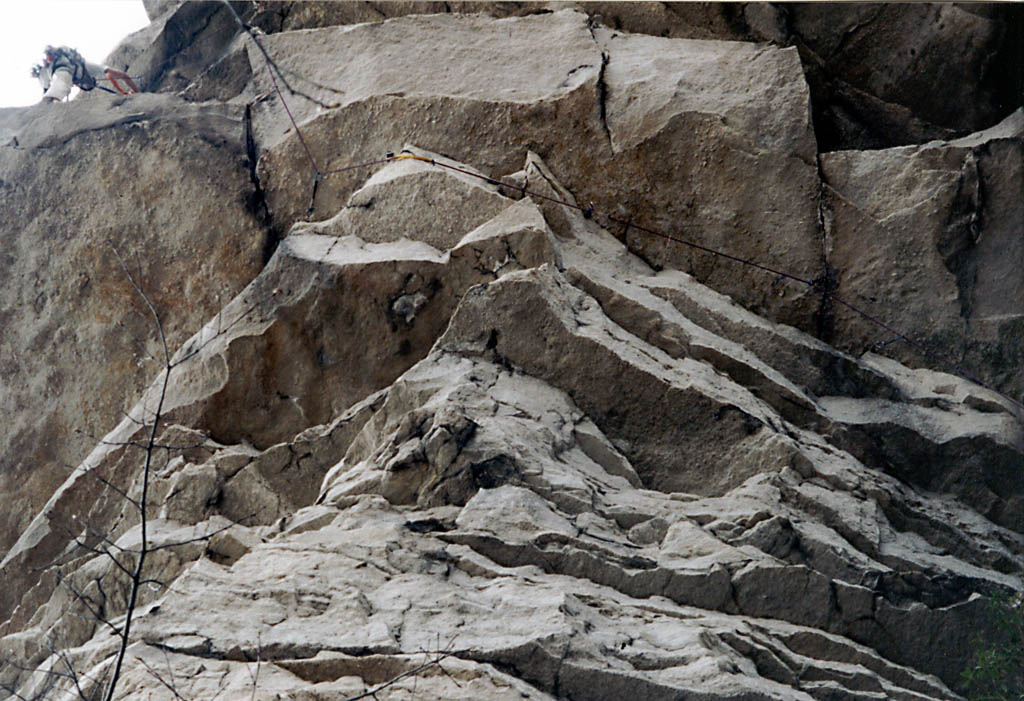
(818, 284)
(311, 208)
(271, 69)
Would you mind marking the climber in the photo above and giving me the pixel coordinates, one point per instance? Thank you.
(63, 67)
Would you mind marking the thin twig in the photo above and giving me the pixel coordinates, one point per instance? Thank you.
(391, 682)
(136, 578)
(202, 344)
(90, 606)
(95, 473)
(156, 675)
(189, 541)
(255, 677)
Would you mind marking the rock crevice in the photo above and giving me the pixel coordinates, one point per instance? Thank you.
(450, 414)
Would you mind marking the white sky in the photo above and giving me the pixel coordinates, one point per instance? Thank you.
(94, 27)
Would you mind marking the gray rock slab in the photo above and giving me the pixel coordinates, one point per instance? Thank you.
(927, 237)
(454, 418)
(739, 174)
(79, 181)
(255, 361)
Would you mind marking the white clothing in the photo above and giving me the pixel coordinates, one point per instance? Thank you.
(58, 85)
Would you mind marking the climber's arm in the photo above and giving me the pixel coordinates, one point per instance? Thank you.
(60, 86)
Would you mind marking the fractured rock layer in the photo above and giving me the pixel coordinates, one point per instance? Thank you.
(457, 438)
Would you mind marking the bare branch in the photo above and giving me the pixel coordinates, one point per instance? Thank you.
(394, 680)
(103, 538)
(89, 606)
(12, 691)
(170, 686)
(107, 553)
(202, 344)
(136, 576)
(62, 655)
(143, 446)
(189, 541)
(95, 474)
(51, 675)
(145, 298)
(256, 676)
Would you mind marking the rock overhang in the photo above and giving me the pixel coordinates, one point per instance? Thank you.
(494, 402)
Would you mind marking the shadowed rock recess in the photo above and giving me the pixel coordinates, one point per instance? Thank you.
(414, 411)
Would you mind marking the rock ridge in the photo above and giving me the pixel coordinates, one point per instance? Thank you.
(432, 414)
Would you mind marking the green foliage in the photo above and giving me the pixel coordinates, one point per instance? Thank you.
(998, 670)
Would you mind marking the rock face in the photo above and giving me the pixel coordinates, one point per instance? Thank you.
(469, 429)
(595, 104)
(81, 184)
(932, 232)
(881, 72)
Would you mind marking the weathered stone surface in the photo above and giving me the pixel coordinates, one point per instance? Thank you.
(286, 16)
(450, 418)
(183, 41)
(750, 22)
(157, 8)
(226, 79)
(258, 353)
(866, 61)
(165, 184)
(929, 237)
(697, 153)
(878, 74)
(720, 434)
(505, 453)
(729, 113)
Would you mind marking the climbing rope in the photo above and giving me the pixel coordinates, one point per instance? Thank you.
(816, 284)
(819, 284)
